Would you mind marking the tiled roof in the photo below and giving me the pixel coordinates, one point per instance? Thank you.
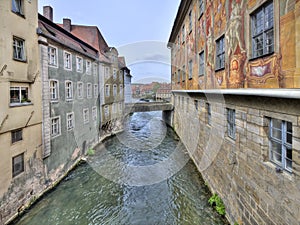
(54, 32)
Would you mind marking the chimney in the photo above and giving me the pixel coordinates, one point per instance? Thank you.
(67, 24)
(48, 12)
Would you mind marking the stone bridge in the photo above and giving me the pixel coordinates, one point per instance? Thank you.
(147, 107)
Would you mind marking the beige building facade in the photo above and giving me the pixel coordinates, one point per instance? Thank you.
(20, 114)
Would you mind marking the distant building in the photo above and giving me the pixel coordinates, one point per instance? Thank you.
(164, 92)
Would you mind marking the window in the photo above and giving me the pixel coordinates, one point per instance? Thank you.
(120, 75)
(281, 135)
(70, 121)
(52, 56)
(201, 63)
(201, 8)
(88, 67)
(16, 136)
(89, 90)
(80, 90)
(55, 127)
(114, 108)
(183, 73)
(95, 90)
(120, 107)
(183, 34)
(231, 123)
(79, 65)
(17, 6)
(95, 69)
(121, 89)
(178, 76)
(114, 73)
(196, 104)
(262, 30)
(94, 113)
(220, 58)
(54, 90)
(107, 90)
(18, 165)
(208, 113)
(69, 90)
(19, 95)
(114, 89)
(190, 21)
(19, 49)
(85, 116)
(68, 60)
(178, 40)
(106, 111)
(106, 72)
(190, 69)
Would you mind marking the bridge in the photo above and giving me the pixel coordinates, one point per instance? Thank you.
(147, 107)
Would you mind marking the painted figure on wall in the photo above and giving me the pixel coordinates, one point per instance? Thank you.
(235, 28)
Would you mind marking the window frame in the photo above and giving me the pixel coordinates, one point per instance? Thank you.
(55, 89)
(19, 56)
(16, 172)
(107, 90)
(19, 10)
(94, 113)
(183, 73)
(88, 67)
(190, 69)
(89, 88)
(95, 69)
(58, 128)
(69, 94)
(220, 53)
(96, 91)
(54, 55)
(16, 136)
(80, 90)
(79, 67)
(231, 124)
(106, 111)
(115, 90)
(263, 32)
(283, 142)
(67, 60)
(201, 63)
(70, 121)
(85, 115)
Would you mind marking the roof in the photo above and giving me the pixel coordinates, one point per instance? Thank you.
(57, 34)
(181, 13)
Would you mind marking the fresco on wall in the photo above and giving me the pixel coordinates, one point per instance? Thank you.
(219, 17)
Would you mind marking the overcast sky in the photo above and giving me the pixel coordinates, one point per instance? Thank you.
(140, 30)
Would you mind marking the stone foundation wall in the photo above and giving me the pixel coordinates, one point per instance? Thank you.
(240, 170)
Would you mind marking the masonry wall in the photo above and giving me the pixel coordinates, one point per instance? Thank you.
(240, 170)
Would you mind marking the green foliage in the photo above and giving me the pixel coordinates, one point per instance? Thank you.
(217, 203)
(236, 223)
(90, 152)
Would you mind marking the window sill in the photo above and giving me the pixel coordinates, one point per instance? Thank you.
(53, 66)
(12, 105)
(287, 174)
(55, 136)
(69, 100)
(260, 57)
(219, 69)
(54, 101)
(201, 75)
(20, 60)
(19, 14)
(201, 14)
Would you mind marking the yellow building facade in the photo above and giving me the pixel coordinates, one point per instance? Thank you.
(20, 114)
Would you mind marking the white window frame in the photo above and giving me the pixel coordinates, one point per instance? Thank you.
(231, 125)
(80, 90)
(106, 111)
(285, 146)
(107, 90)
(69, 90)
(70, 118)
(67, 60)
(121, 89)
(19, 89)
(54, 90)
(95, 69)
(19, 52)
(120, 107)
(88, 67)
(89, 90)
(86, 118)
(94, 113)
(79, 64)
(96, 92)
(57, 129)
(107, 69)
(115, 90)
(52, 56)
(114, 73)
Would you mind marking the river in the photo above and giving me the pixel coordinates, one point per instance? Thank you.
(142, 176)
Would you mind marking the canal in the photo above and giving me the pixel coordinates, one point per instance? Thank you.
(142, 176)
